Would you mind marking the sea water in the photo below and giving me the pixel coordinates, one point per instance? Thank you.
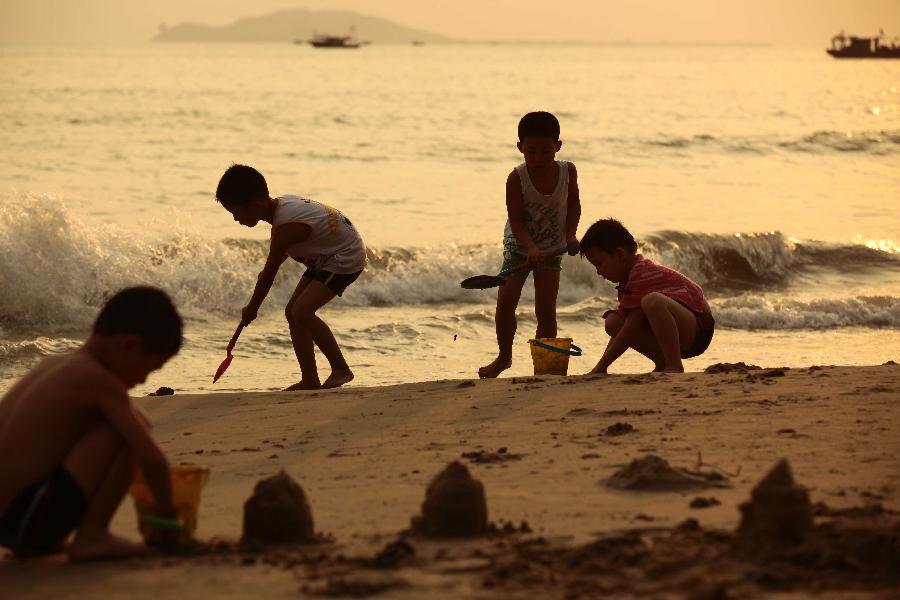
(769, 175)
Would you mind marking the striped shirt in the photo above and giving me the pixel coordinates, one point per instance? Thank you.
(646, 277)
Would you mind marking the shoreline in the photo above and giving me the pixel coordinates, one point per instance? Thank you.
(543, 447)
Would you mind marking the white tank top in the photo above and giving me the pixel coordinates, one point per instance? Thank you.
(545, 215)
(333, 245)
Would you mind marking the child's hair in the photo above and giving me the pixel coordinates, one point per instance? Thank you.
(607, 235)
(539, 124)
(146, 312)
(240, 184)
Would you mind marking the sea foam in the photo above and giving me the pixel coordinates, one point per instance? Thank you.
(56, 272)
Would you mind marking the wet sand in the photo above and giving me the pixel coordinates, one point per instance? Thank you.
(577, 508)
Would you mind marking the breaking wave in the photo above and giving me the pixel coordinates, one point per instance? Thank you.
(56, 272)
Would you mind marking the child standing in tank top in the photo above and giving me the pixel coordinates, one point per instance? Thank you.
(312, 233)
(543, 207)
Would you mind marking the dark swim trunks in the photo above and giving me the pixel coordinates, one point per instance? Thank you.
(336, 282)
(512, 260)
(43, 514)
(706, 326)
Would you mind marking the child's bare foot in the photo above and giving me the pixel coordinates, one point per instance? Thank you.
(303, 385)
(106, 546)
(494, 369)
(338, 378)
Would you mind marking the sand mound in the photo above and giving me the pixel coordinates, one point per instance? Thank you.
(738, 367)
(778, 514)
(655, 474)
(487, 457)
(688, 561)
(277, 513)
(620, 428)
(454, 506)
(393, 555)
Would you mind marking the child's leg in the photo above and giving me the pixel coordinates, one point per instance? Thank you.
(643, 342)
(302, 315)
(546, 289)
(302, 340)
(505, 323)
(674, 327)
(103, 467)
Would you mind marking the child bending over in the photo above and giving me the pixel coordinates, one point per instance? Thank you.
(662, 314)
(318, 236)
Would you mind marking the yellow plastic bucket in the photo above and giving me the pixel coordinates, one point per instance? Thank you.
(187, 485)
(551, 355)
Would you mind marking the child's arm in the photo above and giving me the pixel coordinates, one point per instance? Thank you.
(135, 431)
(283, 237)
(573, 212)
(621, 342)
(515, 209)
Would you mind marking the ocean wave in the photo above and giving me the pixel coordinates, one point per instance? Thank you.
(764, 261)
(766, 313)
(42, 346)
(876, 142)
(747, 312)
(56, 272)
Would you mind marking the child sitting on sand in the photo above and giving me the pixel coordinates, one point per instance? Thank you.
(662, 314)
(70, 438)
(314, 234)
(543, 207)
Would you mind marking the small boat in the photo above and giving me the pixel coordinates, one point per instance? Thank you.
(843, 46)
(334, 41)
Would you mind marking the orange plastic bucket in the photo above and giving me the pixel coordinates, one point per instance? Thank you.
(187, 485)
(551, 355)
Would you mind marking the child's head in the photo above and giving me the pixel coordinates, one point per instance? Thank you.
(610, 247)
(241, 191)
(145, 329)
(539, 139)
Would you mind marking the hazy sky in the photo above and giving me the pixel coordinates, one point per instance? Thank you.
(794, 22)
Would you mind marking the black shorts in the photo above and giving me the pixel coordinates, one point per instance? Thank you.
(43, 515)
(706, 326)
(336, 282)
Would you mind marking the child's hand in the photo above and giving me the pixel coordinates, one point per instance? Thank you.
(248, 314)
(535, 258)
(166, 531)
(598, 370)
(572, 245)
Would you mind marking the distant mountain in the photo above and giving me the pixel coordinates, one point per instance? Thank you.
(289, 25)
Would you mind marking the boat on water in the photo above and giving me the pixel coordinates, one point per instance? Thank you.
(843, 46)
(334, 41)
(320, 40)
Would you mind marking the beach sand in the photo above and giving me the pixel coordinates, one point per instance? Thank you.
(545, 449)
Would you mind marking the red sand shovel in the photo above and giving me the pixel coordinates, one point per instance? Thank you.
(224, 366)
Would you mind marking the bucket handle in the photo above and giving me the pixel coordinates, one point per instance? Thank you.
(573, 351)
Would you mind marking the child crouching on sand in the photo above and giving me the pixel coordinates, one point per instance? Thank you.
(70, 438)
(662, 314)
(314, 234)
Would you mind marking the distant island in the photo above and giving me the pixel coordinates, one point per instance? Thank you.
(290, 25)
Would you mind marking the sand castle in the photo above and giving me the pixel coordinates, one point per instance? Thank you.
(277, 513)
(777, 515)
(454, 505)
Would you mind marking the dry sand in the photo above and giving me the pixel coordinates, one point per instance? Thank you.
(546, 450)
